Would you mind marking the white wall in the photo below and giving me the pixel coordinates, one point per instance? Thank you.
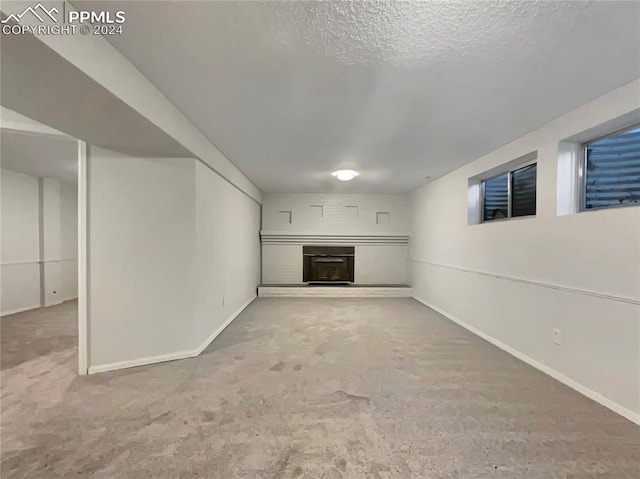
(59, 241)
(341, 214)
(514, 281)
(39, 241)
(296, 218)
(227, 252)
(173, 256)
(141, 252)
(20, 242)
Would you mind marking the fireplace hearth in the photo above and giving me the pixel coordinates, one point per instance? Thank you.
(328, 264)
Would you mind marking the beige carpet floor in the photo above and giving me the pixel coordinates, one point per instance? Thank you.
(302, 388)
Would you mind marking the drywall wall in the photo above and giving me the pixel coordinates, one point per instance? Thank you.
(227, 253)
(173, 258)
(20, 242)
(39, 241)
(376, 225)
(514, 281)
(59, 241)
(141, 252)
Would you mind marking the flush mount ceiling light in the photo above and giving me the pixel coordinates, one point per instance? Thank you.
(345, 175)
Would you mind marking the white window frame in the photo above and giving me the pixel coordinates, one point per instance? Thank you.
(582, 170)
(570, 180)
(508, 169)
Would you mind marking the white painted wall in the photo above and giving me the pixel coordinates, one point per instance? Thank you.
(39, 241)
(20, 245)
(69, 240)
(59, 241)
(227, 252)
(380, 264)
(292, 215)
(141, 252)
(173, 257)
(514, 281)
(341, 214)
(282, 263)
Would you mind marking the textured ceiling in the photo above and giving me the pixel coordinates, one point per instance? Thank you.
(291, 91)
(40, 155)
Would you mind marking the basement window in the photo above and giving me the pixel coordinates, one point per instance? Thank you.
(610, 172)
(510, 194)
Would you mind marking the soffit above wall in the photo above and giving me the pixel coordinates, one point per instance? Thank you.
(43, 156)
(41, 85)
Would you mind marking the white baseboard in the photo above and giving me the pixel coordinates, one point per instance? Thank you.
(597, 397)
(36, 306)
(20, 310)
(170, 356)
(131, 363)
(215, 334)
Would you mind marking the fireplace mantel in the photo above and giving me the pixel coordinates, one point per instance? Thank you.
(359, 239)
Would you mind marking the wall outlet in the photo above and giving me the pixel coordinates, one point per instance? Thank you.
(557, 336)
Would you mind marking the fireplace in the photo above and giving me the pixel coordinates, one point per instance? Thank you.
(328, 264)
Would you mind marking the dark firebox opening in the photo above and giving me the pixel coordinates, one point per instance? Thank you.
(328, 264)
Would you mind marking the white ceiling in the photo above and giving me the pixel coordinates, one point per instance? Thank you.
(40, 155)
(291, 91)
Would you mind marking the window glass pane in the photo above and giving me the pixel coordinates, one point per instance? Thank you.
(612, 174)
(496, 201)
(523, 185)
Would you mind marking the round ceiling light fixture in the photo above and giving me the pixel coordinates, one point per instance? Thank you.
(345, 175)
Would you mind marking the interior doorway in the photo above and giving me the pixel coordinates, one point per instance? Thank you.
(40, 247)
